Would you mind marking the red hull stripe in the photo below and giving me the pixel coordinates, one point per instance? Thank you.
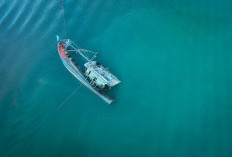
(61, 51)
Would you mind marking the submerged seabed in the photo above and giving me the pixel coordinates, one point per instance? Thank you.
(174, 60)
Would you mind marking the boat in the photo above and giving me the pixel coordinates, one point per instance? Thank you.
(89, 72)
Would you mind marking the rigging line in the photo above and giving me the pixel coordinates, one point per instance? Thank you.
(69, 97)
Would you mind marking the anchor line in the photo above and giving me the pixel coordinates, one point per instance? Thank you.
(69, 97)
(64, 21)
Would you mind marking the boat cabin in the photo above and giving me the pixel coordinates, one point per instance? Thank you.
(98, 76)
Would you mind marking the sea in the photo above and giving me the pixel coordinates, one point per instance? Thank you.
(174, 60)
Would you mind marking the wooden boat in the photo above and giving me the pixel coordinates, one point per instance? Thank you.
(91, 74)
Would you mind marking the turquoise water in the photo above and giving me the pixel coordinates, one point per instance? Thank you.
(174, 59)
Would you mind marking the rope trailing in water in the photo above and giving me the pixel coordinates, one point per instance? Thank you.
(69, 97)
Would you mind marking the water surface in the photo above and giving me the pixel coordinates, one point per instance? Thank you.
(174, 61)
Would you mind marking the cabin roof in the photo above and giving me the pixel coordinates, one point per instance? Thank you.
(102, 73)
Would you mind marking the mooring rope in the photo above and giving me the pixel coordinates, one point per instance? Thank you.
(65, 30)
(69, 97)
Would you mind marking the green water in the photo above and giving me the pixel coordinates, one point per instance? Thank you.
(174, 59)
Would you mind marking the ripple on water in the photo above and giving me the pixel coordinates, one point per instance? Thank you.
(9, 11)
(21, 10)
(27, 19)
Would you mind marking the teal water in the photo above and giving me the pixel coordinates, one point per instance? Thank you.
(174, 59)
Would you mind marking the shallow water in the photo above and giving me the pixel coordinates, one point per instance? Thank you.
(174, 61)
